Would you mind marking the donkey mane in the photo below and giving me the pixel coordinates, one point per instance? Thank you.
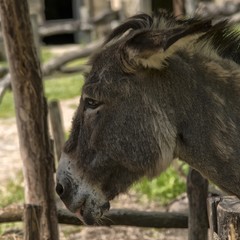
(220, 38)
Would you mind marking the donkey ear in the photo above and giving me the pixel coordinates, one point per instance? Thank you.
(150, 48)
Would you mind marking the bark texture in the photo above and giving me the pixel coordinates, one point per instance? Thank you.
(31, 112)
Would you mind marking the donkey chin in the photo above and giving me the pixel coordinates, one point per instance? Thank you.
(79, 196)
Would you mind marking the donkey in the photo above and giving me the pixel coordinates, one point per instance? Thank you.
(159, 88)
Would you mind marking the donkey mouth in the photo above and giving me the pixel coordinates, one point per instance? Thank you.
(87, 215)
(87, 219)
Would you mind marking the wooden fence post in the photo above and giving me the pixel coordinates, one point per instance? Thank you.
(57, 127)
(32, 220)
(224, 217)
(31, 113)
(197, 191)
(212, 215)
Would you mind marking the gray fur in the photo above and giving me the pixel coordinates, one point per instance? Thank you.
(163, 89)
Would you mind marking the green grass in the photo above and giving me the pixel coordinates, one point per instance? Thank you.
(56, 87)
(46, 55)
(164, 188)
(4, 227)
(78, 62)
(7, 106)
(63, 86)
(12, 191)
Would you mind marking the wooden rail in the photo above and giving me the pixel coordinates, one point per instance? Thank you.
(123, 217)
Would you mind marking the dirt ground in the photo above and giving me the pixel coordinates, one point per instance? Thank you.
(11, 164)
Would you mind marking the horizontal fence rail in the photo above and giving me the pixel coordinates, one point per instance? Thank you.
(123, 217)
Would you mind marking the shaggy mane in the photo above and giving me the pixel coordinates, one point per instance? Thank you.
(222, 38)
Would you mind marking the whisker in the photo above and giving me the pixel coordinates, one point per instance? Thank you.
(104, 217)
(100, 222)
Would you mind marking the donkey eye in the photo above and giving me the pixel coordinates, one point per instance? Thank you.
(91, 103)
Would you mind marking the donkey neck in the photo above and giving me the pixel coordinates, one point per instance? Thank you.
(201, 97)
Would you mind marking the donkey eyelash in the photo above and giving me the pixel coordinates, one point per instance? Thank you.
(91, 103)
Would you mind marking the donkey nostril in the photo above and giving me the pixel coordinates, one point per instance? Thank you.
(59, 189)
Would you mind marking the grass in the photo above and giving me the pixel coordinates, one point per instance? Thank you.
(77, 62)
(164, 188)
(7, 106)
(12, 191)
(56, 87)
(46, 55)
(63, 86)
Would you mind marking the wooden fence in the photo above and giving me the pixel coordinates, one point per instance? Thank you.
(223, 213)
(123, 217)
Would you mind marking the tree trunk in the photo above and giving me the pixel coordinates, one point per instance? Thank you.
(31, 112)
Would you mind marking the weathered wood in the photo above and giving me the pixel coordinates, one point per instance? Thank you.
(34, 25)
(224, 217)
(3, 71)
(145, 6)
(212, 203)
(76, 69)
(235, 18)
(190, 6)
(146, 219)
(32, 219)
(5, 84)
(211, 9)
(228, 218)
(57, 127)
(11, 214)
(55, 27)
(113, 217)
(197, 191)
(31, 109)
(178, 7)
(56, 63)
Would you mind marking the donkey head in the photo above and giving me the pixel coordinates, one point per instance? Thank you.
(119, 133)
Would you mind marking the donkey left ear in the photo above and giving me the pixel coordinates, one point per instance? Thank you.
(150, 48)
